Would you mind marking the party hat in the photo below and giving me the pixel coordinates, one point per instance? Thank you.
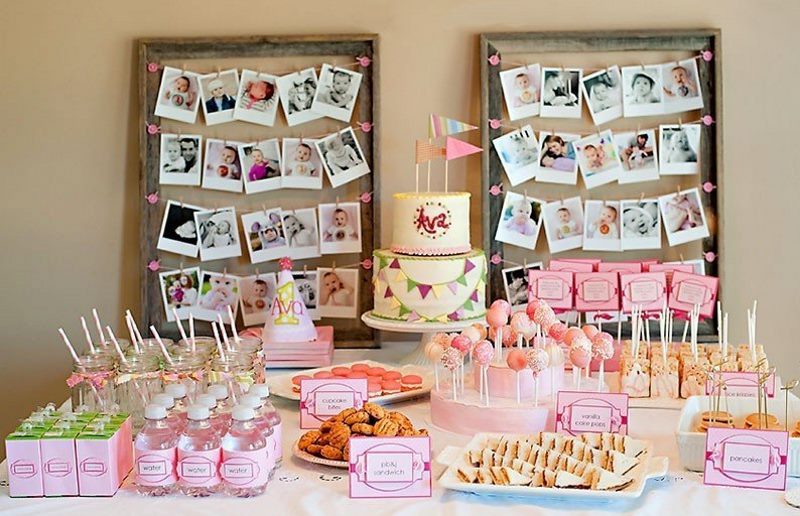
(288, 319)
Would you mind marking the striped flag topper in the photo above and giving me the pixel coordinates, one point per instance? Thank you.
(442, 126)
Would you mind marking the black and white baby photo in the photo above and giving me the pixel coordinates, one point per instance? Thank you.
(681, 86)
(680, 145)
(261, 165)
(179, 160)
(519, 154)
(302, 235)
(178, 95)
(301, 166)
(308, 288)
(561, 92)
(179, 291)
(338, 292)
(218, 92)
(297, 92)
(563, 224)
(641, 224)
(520, 220)
(336, 92)
(340, 226)
(522, 90)
(219, 233)
(683, 216)
(217, 293)
(266, 239)
(179, 230)
(222, 167)
(639, 156)
(257, 99)
(602, 228)
(256, 295)
(515, 280)
(642, 95)
(603, 93)
(342, 157)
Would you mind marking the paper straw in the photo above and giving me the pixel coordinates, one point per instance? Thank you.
(88, 336)
(116, 345)
(224, 333)
(69, 345)
(191, 332)
(161, 344)
(135, 327)
(219, 343)
(234, 331)
(180, 325)
(99, 327)
(134, 340)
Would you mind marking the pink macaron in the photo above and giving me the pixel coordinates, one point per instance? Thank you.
(360, 367)
(354, 375)
(341, 371)
(376, 371)
(296, 381)
(410, 382)
(323, 375)
(390, 386)
(374, 389)
(392, 375)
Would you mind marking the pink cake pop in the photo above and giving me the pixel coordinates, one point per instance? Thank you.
(590, 330)
(481, 329)
(461, 343)
(537, 361)
(580, 355)
(531, 307)
(451, 359)
(572, 334)
(472, 334)
(557, 331)
(519, 322)
(503, 305)
(544, 317)
(482, 355)
(509, 336)
(442, 339)
(529, 332)
(517, 362)
(497, 317)
(602, 348)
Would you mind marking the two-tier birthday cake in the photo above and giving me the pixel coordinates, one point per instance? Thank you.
(431, 273)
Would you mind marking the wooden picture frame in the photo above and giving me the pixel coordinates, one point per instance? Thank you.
(182, 52)
(630, 44)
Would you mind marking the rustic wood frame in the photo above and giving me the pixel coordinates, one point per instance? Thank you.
(348, 333)
(711, 159)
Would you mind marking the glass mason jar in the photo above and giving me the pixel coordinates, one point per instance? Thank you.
(187, 369)
(234, 370)
(138, 380)
(252, 347)
(150, 347)
(204, 346)
(92, 382)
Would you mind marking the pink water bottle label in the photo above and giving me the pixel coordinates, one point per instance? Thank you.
(199, 468)
(246, 468)
(155, 468)
(278, 442)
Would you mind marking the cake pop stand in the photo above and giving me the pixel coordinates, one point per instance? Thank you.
(427, 329)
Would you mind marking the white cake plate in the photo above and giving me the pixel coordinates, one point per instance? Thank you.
(427, 329)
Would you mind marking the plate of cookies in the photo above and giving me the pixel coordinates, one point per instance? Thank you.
(385, 383)
(329, 445)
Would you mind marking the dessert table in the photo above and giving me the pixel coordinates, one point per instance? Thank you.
(302, 488)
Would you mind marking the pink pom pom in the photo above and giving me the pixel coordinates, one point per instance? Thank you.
(557, 331)
(462, 344)
(580, 357)
(572, 334)
(590, 330)
(496, 317)
(483, 353)
(516, 360)
(519, 321)
(532, 306)
(503, 304)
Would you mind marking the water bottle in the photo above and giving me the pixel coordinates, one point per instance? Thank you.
(173, 419)
(155, 454)
(178, 393)
(255, 403)
(245, 465)
(224, 405)
(198, 455)
(210, 402)
(273, 418)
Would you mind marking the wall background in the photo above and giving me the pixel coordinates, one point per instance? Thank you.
(69, 138)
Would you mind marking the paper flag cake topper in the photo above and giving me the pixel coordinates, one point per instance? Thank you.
(428, 151)
(441, 126)
(288, 319)
(457, 149)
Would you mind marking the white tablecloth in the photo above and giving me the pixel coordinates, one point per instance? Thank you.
(303, 488)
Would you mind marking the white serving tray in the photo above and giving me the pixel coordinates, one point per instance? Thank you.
(692, 444)
(454, 458)
(282, 384)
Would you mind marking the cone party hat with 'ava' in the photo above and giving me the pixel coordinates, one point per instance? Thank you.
(288, 319)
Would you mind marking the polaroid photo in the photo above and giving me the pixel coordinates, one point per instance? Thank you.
(179, 160)
(637, 151)
(302, 233)
(681, 84)
(641, 224)
(301, 166)
(257, 99)
(338, 292)
(222, 168)
(297, 91)
(601, 231)
(515, 281)
(261, 165)
(308, 287)
(557, 161)
(178, 95)
(520, 221)
(698, 265)
(522, 90)
(683, 216)
(266, 239)
(255, 301)
(519, 154)
(561, 92)
(599, 159)
(336, 92)
(563, 224)
(680, 149)
(342, 157)
(218, 92)
(217, 292)
(179, 229)
(641, 86)
(219, 233)
(603, 93)
(179, 290)
(340, 226)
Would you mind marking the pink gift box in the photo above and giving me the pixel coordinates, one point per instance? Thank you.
(570, 266)
(104, 461)
(621, 267)
(24, 459)
(59, 466)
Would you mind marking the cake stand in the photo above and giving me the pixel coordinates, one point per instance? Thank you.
(427, 329)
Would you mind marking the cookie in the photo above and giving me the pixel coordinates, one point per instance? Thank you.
(422, 431)
(326, 426)
(406, 431)
(329, 452)
(399, 417)
(362, 428)
(314, 449)
(375, 411)
(307, 439)
(386, 427)
(752, 420)
(360, 416)
(339, 435)
(346, 452)
(345, 413)
(323, 439)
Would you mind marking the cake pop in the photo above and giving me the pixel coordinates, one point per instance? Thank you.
(516, 362)
(590, 330)
(531, 307)
(497, 318)
(451, 359)
(463, 345)
(472, 334)
(503, 305)
(481, 329)
(544, 316)
(572, 334)
(519, 322)
(580, 354)
(509, 336)
(529, 332)
(537, 361)
(602, 348)
(482, 355)
(557, 331)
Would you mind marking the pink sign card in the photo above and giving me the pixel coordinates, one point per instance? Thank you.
(669, 269)
(690, 289)
(390, 467)
(646, 264)
(324, 398)
(581, 412)
(555, 287)
(754, 459)
(570, 266)
(739, 384)
(620, 267)
(596, 291)
(646, 289)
